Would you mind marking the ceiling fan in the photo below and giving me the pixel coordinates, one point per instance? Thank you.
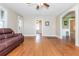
(43, 5)
(40, 5)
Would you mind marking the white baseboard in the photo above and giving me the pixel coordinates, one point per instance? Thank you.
(42, 35)
(29, 35)
(46, 36)
(50, 35)
(59, 37)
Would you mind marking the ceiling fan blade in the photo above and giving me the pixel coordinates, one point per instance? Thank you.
(47, 5)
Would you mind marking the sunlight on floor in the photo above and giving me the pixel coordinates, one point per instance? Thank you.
(38, 38)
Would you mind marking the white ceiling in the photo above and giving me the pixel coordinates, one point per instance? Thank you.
(29, 9)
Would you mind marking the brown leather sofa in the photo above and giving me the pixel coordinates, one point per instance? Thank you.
(9, 40)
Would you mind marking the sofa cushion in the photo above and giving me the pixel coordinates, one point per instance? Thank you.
(2, 46)
(2, 36)
(11, 41)
(9, 35)
(7, 42)
(5, 30)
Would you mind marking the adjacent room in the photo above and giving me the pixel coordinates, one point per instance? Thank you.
(39, 29)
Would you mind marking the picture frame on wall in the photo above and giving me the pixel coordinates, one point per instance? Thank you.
(47, 23)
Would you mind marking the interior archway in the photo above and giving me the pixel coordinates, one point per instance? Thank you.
(68, 27)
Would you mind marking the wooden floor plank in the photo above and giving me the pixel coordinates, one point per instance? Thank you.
(46, 47)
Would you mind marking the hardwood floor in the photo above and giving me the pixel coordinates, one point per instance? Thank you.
(46, 47)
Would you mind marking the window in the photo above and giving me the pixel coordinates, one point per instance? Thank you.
(3, 18)
(20, 24)
(1, 24)
(2, 14)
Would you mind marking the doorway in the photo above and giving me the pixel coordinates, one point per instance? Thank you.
(68, 28)
(38, 30)
(72, 30)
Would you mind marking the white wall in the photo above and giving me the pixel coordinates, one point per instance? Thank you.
(58, 24)
(51, 29)
(29, 29)
(11, 18)
(29, 25)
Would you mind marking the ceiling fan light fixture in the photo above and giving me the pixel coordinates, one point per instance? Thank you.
(41, 5)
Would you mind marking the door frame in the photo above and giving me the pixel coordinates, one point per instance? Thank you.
(61, 29)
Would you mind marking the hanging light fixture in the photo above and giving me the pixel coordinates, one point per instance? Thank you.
(41, 5)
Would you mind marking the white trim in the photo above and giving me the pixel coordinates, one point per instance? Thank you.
(29, 35)
(42, 35)
(69, 27)
(49, 35)
(61, 27)
(53, 36)
(59, 37)
(71, 9)
(77, 26)
(46, 35)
